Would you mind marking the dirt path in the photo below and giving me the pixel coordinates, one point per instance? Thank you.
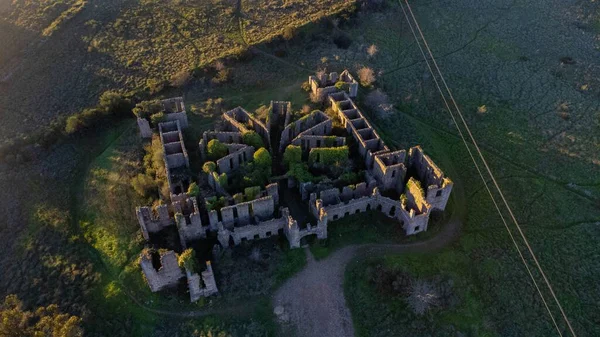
(313, 300)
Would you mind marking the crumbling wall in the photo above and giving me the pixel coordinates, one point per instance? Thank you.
(152, 223)
(188, 220)
(242, 214)
(145, 129)
(225, 137)
(239, 154)
(174, 110)
(307, 142)
(436, 185)
(175, 157)
(167, 275)
(240, 120)
(203, 285)
(390, 171)
(316, 123)
(324, 84)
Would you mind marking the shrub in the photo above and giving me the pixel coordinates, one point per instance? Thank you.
(251, 192)
(238, 198)
(209, 167)
(299, 171)
(214, 203)
(158, 117)
(306, 86)
(83, 120)
(379, 102)
(193, 190)
(143, 184)
(187, 259)
(341, 85)
(114, 103)
(328, 156)
(292, 155)
(366, 76)
(288, 33)
(252, 138)
(145, 109)
(221, 179)
(216, 149)
(44, 321)
(262, 159)
(372, 50)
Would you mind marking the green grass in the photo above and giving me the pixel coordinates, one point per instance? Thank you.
(368, 227)
(377, 314)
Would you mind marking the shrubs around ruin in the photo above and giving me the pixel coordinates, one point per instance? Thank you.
(215, 149)
(187, 260)
(193, 190)
(366, 76)
(328, 156)
(111, 105)
(209, 167)
(252, 138)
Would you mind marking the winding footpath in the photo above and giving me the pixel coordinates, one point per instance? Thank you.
(313, 300)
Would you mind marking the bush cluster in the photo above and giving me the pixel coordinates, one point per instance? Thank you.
(328, 156)
(216, 149)
(111, 104)
(252, 138)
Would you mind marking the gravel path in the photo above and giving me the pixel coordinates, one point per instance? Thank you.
(313, 300)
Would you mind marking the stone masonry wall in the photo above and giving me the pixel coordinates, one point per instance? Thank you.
(151, 223)
(239, 155)
(168, 275)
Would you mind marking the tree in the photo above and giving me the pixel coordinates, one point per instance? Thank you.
(216, 149)
(158, 117)
(262, 159)
(45, 321)
(288, 33)
(145, 109)
(292, 155)
(193, 190)
(209, 167)
(366, 76)
(114, 103)
(187, 260)
(252, 138)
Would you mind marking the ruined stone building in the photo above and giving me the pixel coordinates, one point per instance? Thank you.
(174, 110)
(405, 185)
(323, 84)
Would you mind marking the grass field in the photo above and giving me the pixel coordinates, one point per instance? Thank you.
(539, 134)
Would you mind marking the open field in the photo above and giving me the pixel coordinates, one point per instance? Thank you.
(539, 133)
(59, 56)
